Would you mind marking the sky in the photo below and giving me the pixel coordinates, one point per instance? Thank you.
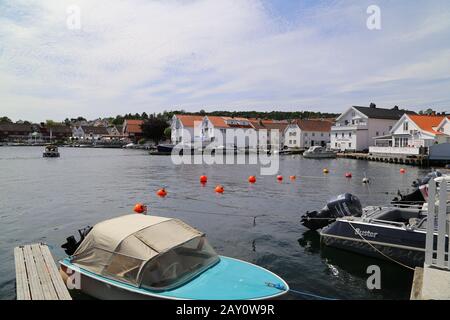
(289, 55)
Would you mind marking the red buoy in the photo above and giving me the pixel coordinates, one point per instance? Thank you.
(219, 189)
(203, 179)
(252, 179)
(292, 178)
(348, 174)
(280, 178)
(140, 208)
(402, 171)
(162, 193)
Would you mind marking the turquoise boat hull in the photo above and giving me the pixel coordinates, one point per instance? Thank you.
(229, 279)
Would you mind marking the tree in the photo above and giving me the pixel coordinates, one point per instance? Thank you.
(153, 128)
(168, 132)
(5, 120)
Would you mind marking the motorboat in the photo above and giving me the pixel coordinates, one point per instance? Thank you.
(319, 152)
(148, 257)
(389, 232)
(51, 151)
(420, 193)
(165, 147)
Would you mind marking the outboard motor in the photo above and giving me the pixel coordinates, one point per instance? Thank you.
(417, 197)
(344, 205)
(72, 244)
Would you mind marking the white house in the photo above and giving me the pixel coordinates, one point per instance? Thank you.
(182, 128)
(89, 132)
(444, 127)
(307, 133)
(411, 133)
(216, 129)
(357, 126)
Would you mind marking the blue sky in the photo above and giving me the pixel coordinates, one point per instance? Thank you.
(142, 55)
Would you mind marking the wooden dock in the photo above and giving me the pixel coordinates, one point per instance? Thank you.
(419, 160)
(37, 277)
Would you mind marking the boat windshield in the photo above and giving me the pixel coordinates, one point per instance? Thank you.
(178, 265)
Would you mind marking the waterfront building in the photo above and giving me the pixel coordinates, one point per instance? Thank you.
(89, 132)
(307, 133)
(269, 130)
(215, 130)
(132, 129)
(356, 128)
(183, 128)
(413, 134)
(53, 132)
(15, 132)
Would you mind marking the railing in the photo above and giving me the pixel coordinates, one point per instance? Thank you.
(438, 223)
(395, 150)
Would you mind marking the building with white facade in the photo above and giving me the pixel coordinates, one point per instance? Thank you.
(307, 133)
(229, 132)
(412, 134)
(183, 129)
(356, 128)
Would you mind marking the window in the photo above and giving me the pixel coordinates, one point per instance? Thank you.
(335, 144)
(353, 114)
(343, 135)
(295, 141)
(405, 126)
(321, 134)
(350, 134)
(313, 134)
(349, 144)
(376, 134)
(336, 134)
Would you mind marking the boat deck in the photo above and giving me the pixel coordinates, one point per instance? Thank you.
(37, 277)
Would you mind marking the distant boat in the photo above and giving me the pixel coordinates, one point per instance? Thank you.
(319, 152)
(148, 257)
(51, 151)
(165, 147)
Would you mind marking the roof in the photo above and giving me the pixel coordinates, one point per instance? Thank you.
(139, 236)
(58, 129)
(17, 127)
(218, 122)
(314, 125)
(95, 130)
(133, 126)
(380, 113)
(426, 122)
(275, 125)
(188, 120)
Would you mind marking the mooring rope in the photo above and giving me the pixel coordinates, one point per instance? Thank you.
(283, 288)
(379, 251)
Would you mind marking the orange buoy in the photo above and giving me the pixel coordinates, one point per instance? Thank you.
(252, 179)
(219, 189)
(348, 174)
(325, 170)
(162, 193)
(140, 208)
(402, 171)
(292, 177)
(203, 179)
(280, 178)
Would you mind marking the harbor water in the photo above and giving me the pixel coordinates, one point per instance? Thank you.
(47, 200)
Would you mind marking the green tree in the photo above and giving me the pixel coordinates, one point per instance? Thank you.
(5, 120)
(153, 128)
(168, 132)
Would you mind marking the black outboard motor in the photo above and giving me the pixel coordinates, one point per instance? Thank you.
(344, 205)
(416, 197)
(72, 244)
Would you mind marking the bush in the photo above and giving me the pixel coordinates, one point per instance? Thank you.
(142, 141)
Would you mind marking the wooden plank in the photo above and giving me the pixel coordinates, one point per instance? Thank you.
(430, 222)
(22, 287)
(33, 279)
(58, 283)
(43, 274)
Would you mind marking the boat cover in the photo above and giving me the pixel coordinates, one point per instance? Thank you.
(120, 247)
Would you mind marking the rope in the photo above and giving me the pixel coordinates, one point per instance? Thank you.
(283, 288)
(386, 256)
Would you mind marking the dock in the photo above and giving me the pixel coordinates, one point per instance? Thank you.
(417, 160)
(37, 277)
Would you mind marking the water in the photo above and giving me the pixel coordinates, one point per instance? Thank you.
(46, 200)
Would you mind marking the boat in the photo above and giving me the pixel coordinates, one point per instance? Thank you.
(419, 195)
(318, 152)
(165, 147)
(51, 151)
(148, 257)
(388, 232)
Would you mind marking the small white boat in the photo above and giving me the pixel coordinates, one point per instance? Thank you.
(319, 152)
(51, 151)
(148, 257)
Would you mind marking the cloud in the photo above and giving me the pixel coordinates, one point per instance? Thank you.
(142, 55)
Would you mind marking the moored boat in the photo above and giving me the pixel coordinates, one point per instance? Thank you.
(319, 152)
(148, 257)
